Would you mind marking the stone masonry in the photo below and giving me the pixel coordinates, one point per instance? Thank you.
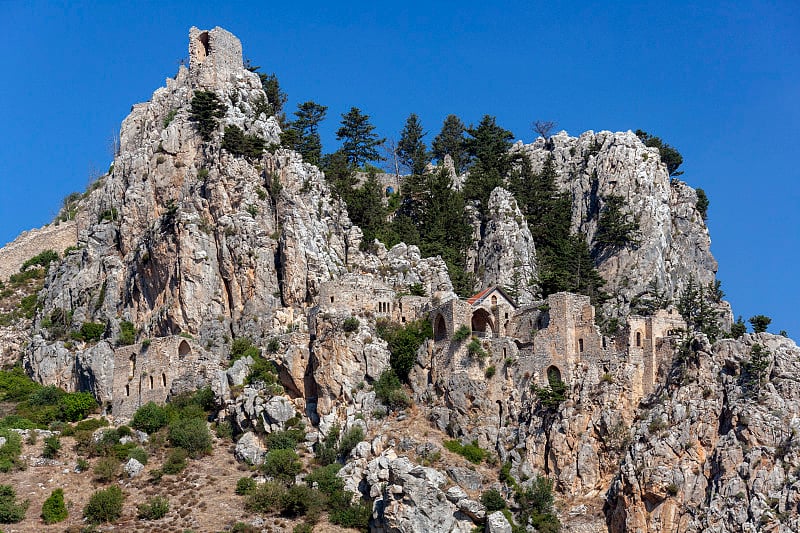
(30, 243)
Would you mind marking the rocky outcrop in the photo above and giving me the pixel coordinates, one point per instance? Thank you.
(507, 254)
(672, 244)
(717, 450)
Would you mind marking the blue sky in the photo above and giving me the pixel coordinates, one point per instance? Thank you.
(719, 81)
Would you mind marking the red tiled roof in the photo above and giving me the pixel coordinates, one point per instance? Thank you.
(479, 296)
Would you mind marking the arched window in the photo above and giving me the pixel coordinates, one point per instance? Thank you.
(127, 390)
(494, 299)
(151, 382)
(580, 345)
(482, 323)
(553, 375)
(638, 338)
(131, 365)
(439, 328)
(184, 349)
(164, 380)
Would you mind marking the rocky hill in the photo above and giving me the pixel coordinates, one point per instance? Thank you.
(211, 258)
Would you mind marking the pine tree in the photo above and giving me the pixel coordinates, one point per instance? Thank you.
(450, 141)
(360, 142)
(669, 155)
(305, 136)
(206, 110)
(615, 229)
(276, 98)
(411, 149)
(488, 145)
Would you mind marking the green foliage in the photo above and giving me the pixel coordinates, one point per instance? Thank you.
(702, 203)
(42, 260)
(359, 141)
(475, 349)
(154, 508)
(106, 469)
(564, 261)
(326, 479)
(169, 117)
(246, 486)
(243, 347)
(760, 323)
(192, 435)
(299, 500)
(266, 498)
(150, 418)
(15, 385)
(471, 452)
(669, 155)
(450, 141)
(127, 333)
(411, 149)
(490, 372)
(493, 500)
(327, 450)
(91, 331)
(404, 341)
(697, 306)
(304, 131)
(282, 465)
(285, 439)
(206, 111)
(551, 396)
(350, 324)
(76, 406)
(224, 429)
(11, 512)
(104, 505)
(488, 145)
(175, 462)
(238, 143)
(264, 371)
(389, 390)
(462, 333)
(53, 509)
(343, 512)
(10, 451)
(52, 445)
(417, 289)
(615, 229)
(754, 371)
(276, 98)
(738, 328)
(138, 453)
(536, 503)
(349, 440)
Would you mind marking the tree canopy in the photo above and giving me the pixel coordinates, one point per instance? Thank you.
(411, 149)
(359, 140)
(669, 155)
(450, 141)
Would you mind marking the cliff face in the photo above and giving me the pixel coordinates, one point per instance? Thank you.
(182, 237)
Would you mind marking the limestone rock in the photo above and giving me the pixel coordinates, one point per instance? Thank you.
(133, 467)
(497, 523)
(250, 449)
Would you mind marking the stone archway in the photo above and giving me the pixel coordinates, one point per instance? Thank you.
(184, 349)
(482, 325)
(439, 328)
(553, 375)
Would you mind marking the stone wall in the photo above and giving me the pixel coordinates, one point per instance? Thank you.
(214, 55)
(35, 241)
(146, 372)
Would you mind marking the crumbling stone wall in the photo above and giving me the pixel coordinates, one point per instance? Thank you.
(33, 242)
(214, 55)
(149, 371)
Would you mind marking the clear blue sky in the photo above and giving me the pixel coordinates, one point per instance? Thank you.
(720, 81)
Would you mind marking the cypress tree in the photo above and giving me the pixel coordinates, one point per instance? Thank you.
(411, 149)
(488, 145)
(360, 141)
(450, 141)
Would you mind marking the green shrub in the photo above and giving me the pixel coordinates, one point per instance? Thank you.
(192, 435)
(273, 345)
(245, 486)
(127, 333)
(10, 451)
(52, 445)
(282, 465)
(242, 527)
(11, 512)
(82, 465)
(206, 111)
(389, 390)
(266, 498)
(326, 479)
(462, 333)
(176, 461)
(475, 349)
(150, 418)
(490, 372)
(351, 515)
(139, 454)
(404, 341)
(417, 289)
(15, 385)
(76, 406)
(243, 347)
(91, 331)
(106, 469)
(471, 452)
(41, 260)
(104, 505)
(169, 117)
(350, 324)
(349, 440)
(299, 500)
(264, 371)
(284, 440)
(154, 508)
(493, 500)
(237, 142)
(53, 509)
(224, 429)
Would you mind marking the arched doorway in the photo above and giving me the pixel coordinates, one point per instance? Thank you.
(184, 349)
(439, 328)
(482, 323)
(553, 375)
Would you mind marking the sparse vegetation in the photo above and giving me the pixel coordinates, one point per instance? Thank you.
(54, 510)
(471, 452)
(11, 511)
(389, 390)
(154, 508)
(462, 333)
(104, 506)
(404, 341)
